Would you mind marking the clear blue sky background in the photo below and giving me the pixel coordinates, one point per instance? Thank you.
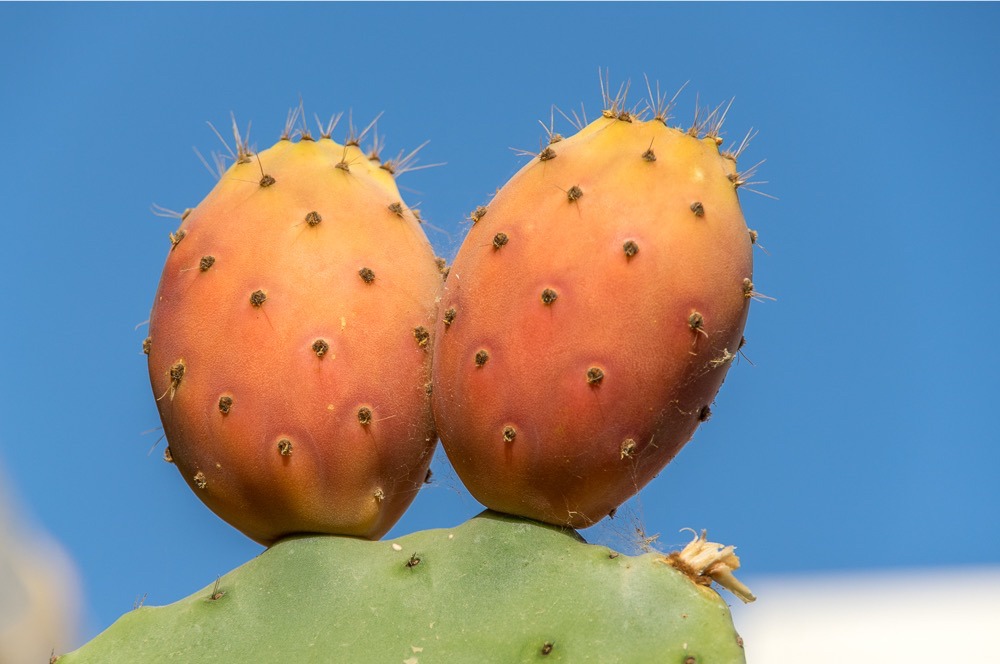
(861, 437)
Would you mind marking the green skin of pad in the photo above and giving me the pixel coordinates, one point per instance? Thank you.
(494, 589)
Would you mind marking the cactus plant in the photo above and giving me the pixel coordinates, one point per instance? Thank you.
(588, 322)
(591, 315)
(495, 589)
(289, 344)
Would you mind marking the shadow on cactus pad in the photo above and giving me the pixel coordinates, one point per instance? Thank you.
(494, 589)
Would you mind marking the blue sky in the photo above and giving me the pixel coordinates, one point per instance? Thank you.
(860, 437)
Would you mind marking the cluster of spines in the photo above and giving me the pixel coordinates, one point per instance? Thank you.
(707, 123)
(296, 128)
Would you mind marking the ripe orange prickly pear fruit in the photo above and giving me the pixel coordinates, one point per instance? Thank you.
(289, 347)
(590, 318)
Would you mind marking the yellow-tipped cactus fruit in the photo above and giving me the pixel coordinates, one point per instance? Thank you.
(290, 339)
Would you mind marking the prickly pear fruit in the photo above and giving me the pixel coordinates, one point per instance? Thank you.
(495, 589)
(289, 348)
(590, 317)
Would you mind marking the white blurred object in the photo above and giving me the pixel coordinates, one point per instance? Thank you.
(916, 617)
(39, 590)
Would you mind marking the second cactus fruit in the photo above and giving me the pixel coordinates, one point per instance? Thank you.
(590, 317)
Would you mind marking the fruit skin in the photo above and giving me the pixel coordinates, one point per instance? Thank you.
(288, 350)
(607, 286)
(495, 589)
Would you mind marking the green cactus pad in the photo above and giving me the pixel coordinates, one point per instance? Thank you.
(495, 589)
